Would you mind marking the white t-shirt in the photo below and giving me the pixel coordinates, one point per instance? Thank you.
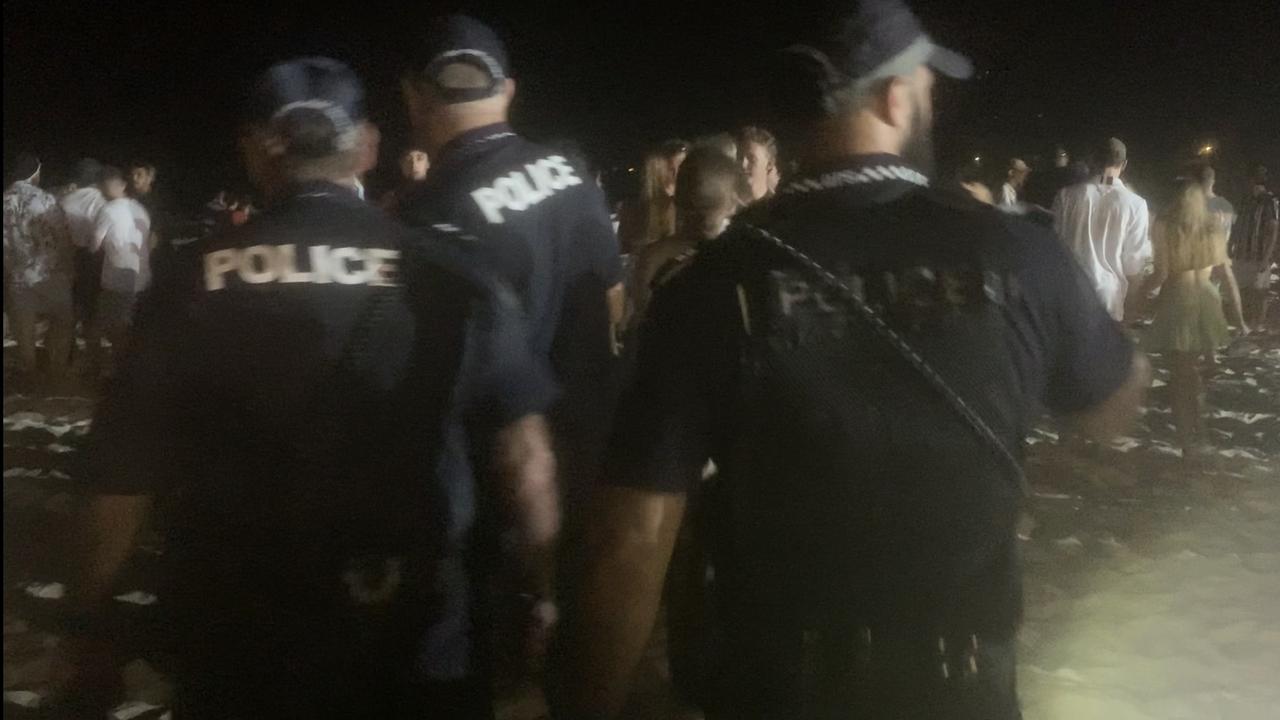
(122, 229)
(1107, 228)
(81, 208)
(1008, 196)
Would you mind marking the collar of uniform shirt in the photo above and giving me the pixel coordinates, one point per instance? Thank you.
(858, 170)
(472, 139)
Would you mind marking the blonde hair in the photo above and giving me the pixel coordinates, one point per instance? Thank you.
(659, 205)
(1187, 234)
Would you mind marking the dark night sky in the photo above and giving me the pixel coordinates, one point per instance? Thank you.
(163, 79)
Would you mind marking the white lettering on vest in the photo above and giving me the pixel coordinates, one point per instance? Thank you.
(289, 266)
(518, 191)
(342, 273)
(217, 264)
(258, 264)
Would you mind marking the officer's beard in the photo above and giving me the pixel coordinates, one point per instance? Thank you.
(918, 148)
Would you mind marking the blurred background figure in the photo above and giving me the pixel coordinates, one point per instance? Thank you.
(37, 268)
(1190, 251)
(969, 178)
(1253, 246)
(82, 206)
(1107, 225)
(1015, 179)
(758, 152)
(651, 216)
(711, 187)
(122, 234)
(1045, 183)
(414, 165)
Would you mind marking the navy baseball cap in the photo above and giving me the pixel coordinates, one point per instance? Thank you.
(878, 39)
(315, 104)
(461, 39)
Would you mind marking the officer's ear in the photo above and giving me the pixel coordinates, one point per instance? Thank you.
(509, 90)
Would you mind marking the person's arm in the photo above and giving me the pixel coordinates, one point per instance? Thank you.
(1228, 278)
(1137, 253)
(1096, 377)
(1116, 413)
(661, 441)
(526, 470)
(629, 547)
(617, 299)
(1153, 282)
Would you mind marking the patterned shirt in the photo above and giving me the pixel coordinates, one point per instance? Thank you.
(1255, 227)
(37, 240)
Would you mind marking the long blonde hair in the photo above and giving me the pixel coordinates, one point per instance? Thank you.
(1188, 235)
(656, 195)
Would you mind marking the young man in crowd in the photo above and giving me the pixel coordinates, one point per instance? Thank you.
(82, 206)
(758, 153)
(1015, 180)
(122, 234)
(1253, 246)
(863, 537)
(1107, 227)
(414, 164)
(37, 268)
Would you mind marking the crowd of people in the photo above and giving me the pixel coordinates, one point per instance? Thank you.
(405, 447)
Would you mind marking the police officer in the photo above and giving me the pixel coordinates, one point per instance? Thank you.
(861, 356)
(541, 222)
(286, 396)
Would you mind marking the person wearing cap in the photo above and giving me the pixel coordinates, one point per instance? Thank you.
(541, 223)
(1014, 181)
(37, 267)
(1107, 227)
(862, 532)
(286, 393)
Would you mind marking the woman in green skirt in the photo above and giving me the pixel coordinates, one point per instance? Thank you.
(1190, 251)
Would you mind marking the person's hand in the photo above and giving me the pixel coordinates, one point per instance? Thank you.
(1243, 330)
(540, 622)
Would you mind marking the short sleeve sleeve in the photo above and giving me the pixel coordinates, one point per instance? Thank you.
(1086, 354)
(504, 380)
(663, 434)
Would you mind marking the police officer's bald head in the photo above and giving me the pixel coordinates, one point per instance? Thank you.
(458, 78)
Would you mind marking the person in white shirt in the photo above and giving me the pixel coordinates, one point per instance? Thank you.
(1106, 225)
(1016, 178)
(81, 206)
(121, 233)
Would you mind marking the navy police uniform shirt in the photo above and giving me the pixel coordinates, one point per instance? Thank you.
(288, 394)
(876, 223)
(543, 225)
